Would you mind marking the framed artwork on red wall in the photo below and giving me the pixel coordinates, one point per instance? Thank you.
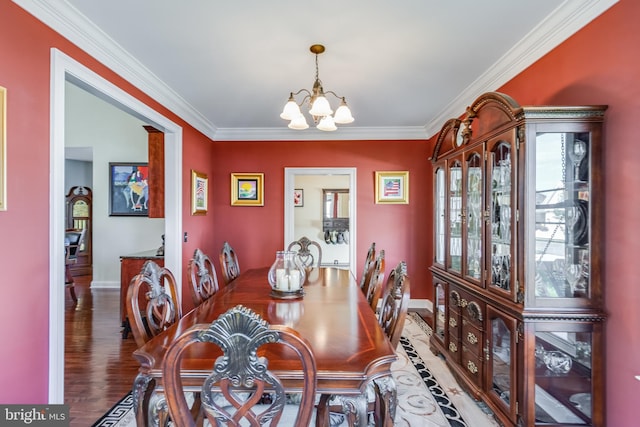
(199, 193)
(392, 187)
(247, 189)
(3, 149)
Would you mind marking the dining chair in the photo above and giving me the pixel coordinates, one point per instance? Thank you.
(155, 287)
(393, 312)
(395, 303)
(229, 263)
(233, 393)
(73, 241)
(303, 247)
(368, 267)
(202, 276)
(376, 278)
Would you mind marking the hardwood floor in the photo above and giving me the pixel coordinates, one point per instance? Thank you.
(99, 366)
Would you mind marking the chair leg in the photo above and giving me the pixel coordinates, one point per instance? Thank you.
(69, 283)
(72, 291)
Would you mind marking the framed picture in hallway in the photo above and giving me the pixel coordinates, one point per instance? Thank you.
(128, 189)
(247, 189)
(298, 197)
(392, 187)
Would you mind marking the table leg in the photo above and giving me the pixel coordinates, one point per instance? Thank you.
(353, 407)
(386, 400)
(158, 414)
(141, 393)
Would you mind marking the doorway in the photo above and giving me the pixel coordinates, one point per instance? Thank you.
(322, 175)
(63, 69)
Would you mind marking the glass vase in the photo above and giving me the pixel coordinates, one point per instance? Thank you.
(286, 276)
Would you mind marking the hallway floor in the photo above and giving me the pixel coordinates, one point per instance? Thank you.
(99, 367)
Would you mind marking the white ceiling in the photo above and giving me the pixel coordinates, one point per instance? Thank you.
(405, 67)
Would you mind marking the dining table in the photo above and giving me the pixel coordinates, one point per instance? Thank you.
(352, 351)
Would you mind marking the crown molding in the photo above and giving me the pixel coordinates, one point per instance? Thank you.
(71, 24)
(562, 23)
(312, 134)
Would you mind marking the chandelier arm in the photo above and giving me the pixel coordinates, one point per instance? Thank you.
(307, 96)
(300, 91)
(334, 94)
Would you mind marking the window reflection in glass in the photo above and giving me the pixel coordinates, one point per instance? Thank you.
(562, 215)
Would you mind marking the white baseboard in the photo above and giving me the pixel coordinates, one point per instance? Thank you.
(105, 285)
(420, 304)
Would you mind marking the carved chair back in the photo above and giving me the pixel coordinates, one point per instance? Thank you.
(156, 286)
(202, 275)
(229, 263)
(304, 250)
(376, 279)
(368, 267)
(395, 303)
(233, 393)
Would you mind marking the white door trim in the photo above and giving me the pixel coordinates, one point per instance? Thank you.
(64, 68)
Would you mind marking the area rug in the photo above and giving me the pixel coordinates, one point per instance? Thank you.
(428, 395)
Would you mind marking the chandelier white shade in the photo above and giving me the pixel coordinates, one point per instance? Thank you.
(319, 107)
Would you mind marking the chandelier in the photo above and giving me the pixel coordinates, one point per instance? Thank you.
(319, 107)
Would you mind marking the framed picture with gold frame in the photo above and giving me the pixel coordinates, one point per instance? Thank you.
(199, 193)
(3, 149)
(392, 187)
(247, 189)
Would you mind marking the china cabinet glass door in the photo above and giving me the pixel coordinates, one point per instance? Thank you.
(563, 379)
(439, 310)
(502, 362)
(455, 216)
(439, 216)
(501, 218)
(473, 210)
(562, 190)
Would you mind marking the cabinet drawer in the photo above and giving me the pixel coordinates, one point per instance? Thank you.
(454, 326)
(472, 366)
(472, 309)
(454, 348)
(472, 337)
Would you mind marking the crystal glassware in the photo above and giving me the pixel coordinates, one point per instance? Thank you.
(577, 154)
(557, 362)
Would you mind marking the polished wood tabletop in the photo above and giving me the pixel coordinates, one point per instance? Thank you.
(333, 315)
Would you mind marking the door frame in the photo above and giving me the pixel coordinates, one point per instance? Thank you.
(289, 186)
(63, 69)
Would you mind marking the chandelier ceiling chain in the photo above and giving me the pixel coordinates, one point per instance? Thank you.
(319, 107)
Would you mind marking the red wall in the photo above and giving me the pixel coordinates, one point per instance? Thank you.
(403, 231)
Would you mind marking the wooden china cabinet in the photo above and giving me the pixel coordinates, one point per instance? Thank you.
(517, 268)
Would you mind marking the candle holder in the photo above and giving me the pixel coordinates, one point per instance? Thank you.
(286, 276)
